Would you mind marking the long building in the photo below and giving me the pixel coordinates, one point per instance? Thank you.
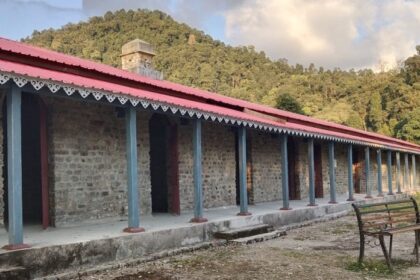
(84, 142)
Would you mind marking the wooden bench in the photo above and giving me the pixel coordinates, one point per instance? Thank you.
(387, 219)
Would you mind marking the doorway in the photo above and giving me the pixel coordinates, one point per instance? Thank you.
(294, 187)
(319, 188)
(164, 165)
(248, 168)
(34, 161)
(357, 170)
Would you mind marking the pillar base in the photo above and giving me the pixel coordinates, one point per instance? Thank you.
(368, 197)
(13, 247)
(244, 214)
(133, 229)
(285, 208)
(398, 192)
(332, 202)
(391, 193)
(351, 199)
(380, 195)
(312, 204)
(198, 220)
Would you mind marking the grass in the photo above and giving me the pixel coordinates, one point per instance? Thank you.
(378, 268)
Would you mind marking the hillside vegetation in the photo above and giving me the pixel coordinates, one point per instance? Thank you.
(386, 102)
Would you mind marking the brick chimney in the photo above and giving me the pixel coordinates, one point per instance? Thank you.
(137, 57)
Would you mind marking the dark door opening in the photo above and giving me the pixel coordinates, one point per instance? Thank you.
(319, 189)
(248, 169)
(164, 165)
(34, 163)
(294, 187)
(357, 170)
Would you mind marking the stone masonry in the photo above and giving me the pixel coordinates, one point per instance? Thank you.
(266, 166)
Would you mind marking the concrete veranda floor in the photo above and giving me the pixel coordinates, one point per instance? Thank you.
(36, 237)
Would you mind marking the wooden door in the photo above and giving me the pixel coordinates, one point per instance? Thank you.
(319, 190)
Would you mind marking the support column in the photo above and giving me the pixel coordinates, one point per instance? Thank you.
(132, 176)
(197, 172)
(311, 167)
(379, 163)
(14, 169)
(350, 171)
(331, 165)
(414, 171)
(284, 173)
(389, 170)
(367, 173)
(243, 191)
(397, 156)
(406, 173)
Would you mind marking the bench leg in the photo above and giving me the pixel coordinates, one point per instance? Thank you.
(362, 248)
(416, 247)
(385, 251)
(390, 246)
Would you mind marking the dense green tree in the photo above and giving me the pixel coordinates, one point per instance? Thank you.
(383, 102)
(288, 103)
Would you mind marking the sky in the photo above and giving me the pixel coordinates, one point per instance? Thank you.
(376, 34)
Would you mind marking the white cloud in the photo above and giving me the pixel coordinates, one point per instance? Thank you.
(331, 33)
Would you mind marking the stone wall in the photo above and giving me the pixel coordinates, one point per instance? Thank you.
(341, 171)
(2, 100)
(87, 161)
(218, 164)
(266, 166)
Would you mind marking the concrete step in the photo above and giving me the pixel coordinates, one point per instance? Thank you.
(259, 238)
(13, 272)
(243, 232)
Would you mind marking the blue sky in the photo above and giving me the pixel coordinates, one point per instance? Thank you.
(330, 33)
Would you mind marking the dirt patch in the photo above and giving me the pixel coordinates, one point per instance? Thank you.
(322, 251)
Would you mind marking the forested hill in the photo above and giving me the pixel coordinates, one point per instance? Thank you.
(387, 102)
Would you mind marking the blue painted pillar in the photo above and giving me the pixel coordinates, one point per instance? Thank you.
(414, 171)
(406, 170)
(132, 175)
(331, 165)
(389, 170)
(197, 173)
(350, 171)
(379, 164)
(243, 191)
(14, 168)
(284, 173)
(397, 156)
(311, 167)
(367, 173)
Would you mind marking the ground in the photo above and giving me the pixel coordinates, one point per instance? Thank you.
(320, 251)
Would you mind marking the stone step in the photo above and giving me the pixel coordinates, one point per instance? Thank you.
(13, 272)
(243, 232)
(259, 237)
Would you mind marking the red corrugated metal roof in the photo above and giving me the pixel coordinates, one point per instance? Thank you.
(294, 121)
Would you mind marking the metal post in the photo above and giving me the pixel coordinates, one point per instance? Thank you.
(132, 176)
(284, 173)
(311, 167)
(14, 168)
(243, 192)
(406, 172)
(397, 156)
(414, 171)
(331, 165)
(350, 171)
(379, 163)
(367, 171)
(197, 172)
(389, 170)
